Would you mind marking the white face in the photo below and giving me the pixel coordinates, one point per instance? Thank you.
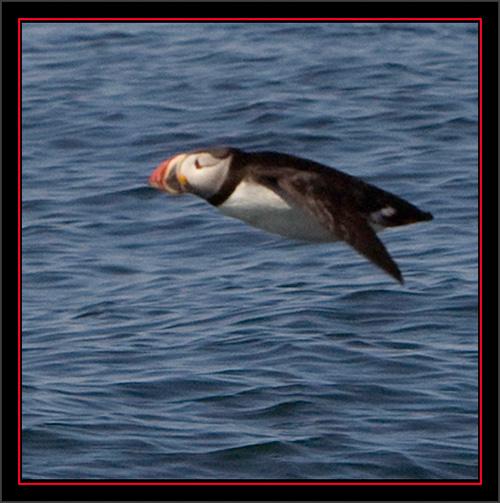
(201, 173)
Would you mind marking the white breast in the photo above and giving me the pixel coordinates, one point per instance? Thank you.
(261, 207)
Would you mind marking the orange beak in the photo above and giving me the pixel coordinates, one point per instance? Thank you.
(158, 177)
(166, 177)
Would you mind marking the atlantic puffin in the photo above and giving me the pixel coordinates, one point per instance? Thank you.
(291, 196)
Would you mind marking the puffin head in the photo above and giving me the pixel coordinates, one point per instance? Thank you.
(201, 173)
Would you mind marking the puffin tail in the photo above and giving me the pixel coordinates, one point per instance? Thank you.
(393, 211)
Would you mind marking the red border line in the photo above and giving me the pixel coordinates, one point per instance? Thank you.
(19, 348)
(250, 483)
(480, 345)
(251, 19)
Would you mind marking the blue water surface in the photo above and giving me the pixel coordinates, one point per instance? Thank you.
(162, 340)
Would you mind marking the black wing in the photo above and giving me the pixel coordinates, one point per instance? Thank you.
(343, 204)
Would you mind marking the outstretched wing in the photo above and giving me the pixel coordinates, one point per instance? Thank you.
(335, 200)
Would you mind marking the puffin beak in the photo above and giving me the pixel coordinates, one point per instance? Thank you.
(165, 177)
(156, 179)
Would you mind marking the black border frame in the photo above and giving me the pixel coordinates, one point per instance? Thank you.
(415, 490)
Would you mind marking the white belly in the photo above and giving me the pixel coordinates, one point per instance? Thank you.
(262, 208)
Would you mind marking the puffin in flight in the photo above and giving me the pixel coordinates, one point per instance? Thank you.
(291, 196)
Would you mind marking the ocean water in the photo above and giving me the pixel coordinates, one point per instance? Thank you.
(162, 340)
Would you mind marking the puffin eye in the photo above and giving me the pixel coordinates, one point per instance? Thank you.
(197, 164)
